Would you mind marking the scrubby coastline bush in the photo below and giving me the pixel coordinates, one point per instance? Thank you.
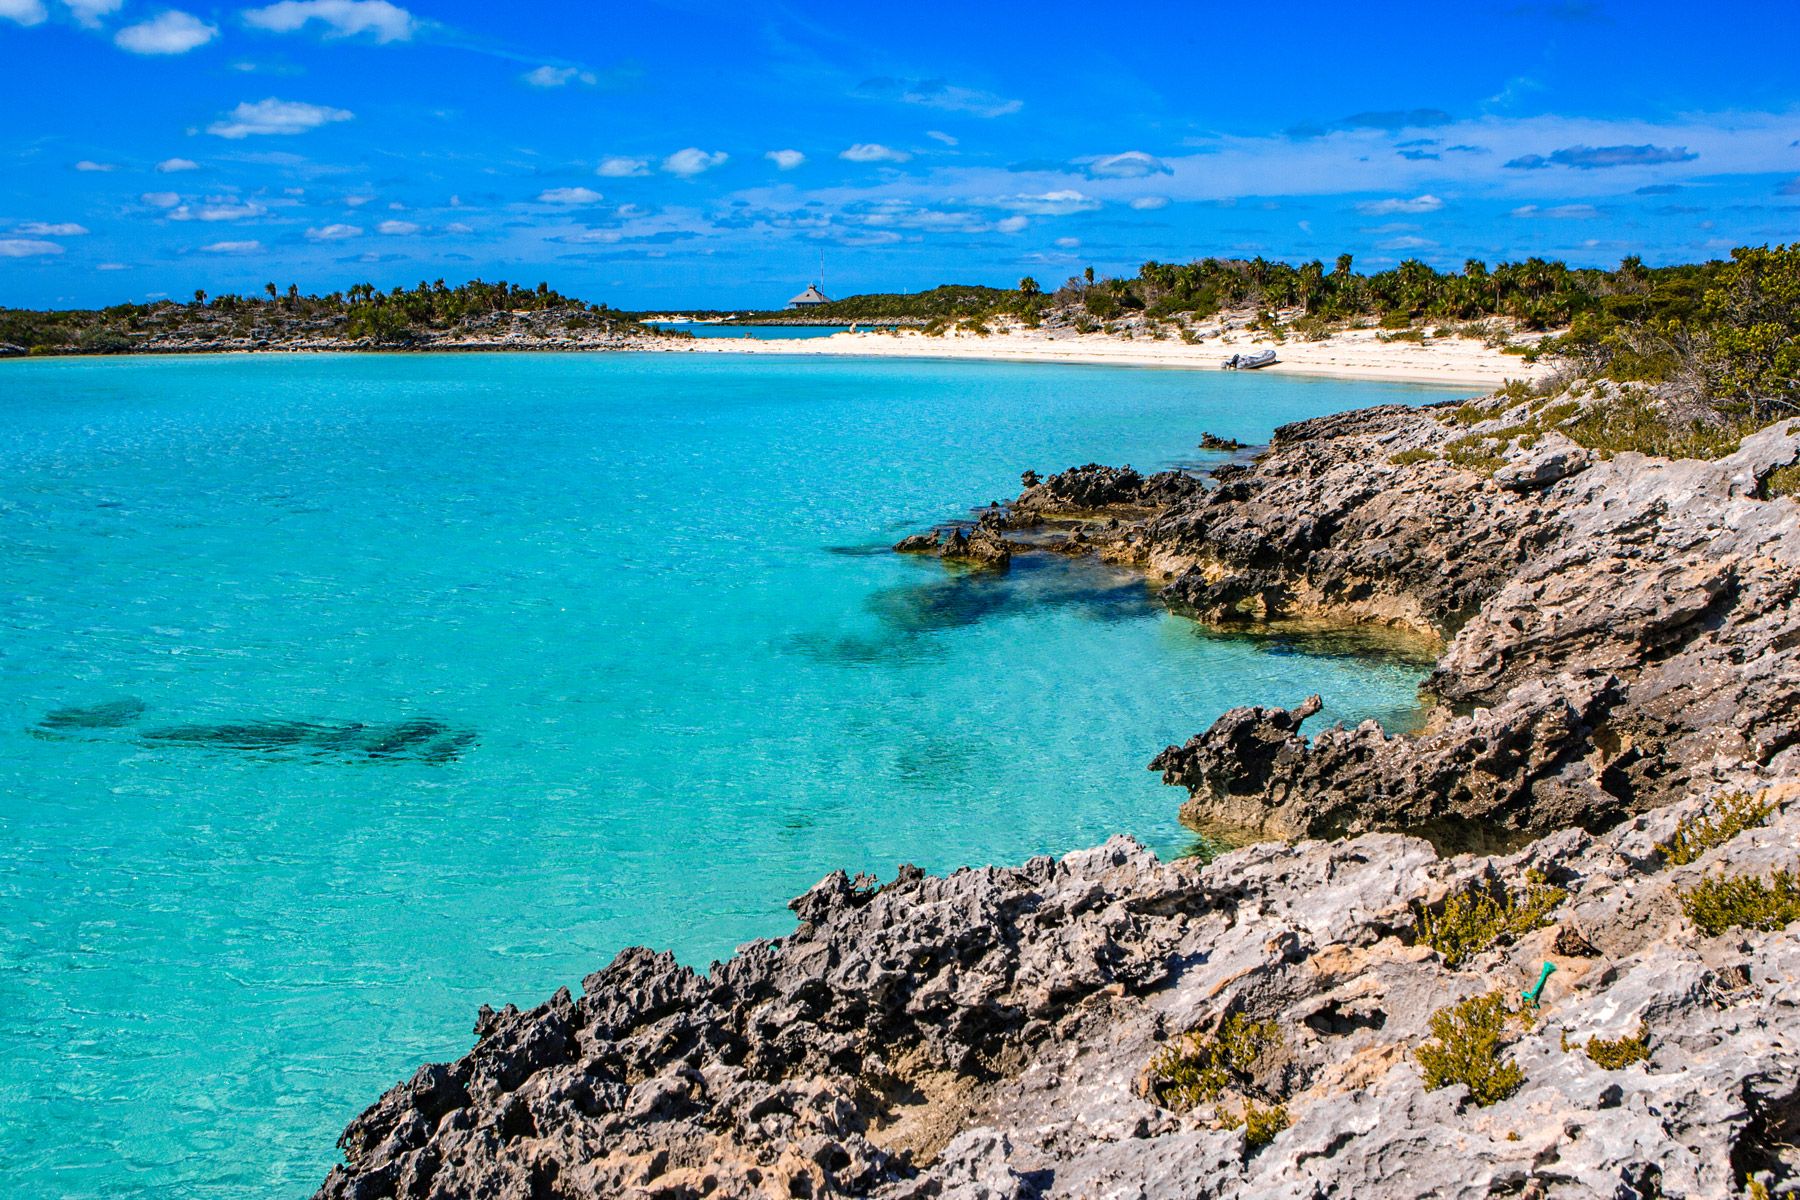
(1467, 1049)
(1473, 920)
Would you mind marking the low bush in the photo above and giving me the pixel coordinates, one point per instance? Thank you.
(1782, 481)
(1472, 921)
(1196, 1067)
(1613, 1054)
(1467, 1050)
(1723, 902)
(1260, 1125)
(1632, 421)
(1698, 833)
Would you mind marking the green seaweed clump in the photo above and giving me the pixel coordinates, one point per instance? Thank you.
(1260, 1124)
(1196, 1067)
(1467, 1050)
(1473, 921)
(1721, 902)
(1695, 835)
(1613, 1054)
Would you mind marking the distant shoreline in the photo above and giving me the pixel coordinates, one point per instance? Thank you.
(1353, 354)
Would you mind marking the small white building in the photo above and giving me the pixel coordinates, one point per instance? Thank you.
(812, 297)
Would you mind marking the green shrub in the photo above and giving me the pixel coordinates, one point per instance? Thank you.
(1613, 1054)
(1196, 1067)
(1474, 412)
(1472, 921)
(1721, 902)
(1634, 422)
(1407, 458)
(1782, 481)
(1405, 335)
(1696, 834)
(1260, 1125)
(1467, 1050)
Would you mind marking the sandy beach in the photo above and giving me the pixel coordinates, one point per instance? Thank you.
(1354, 354)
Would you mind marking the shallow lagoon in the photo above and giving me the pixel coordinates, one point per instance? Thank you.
(631, 623)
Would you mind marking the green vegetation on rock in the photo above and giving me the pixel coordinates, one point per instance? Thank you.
(1467, 1050)
(1260, 1124)
(1719, 903)
(1613, 1054)
(1196, 1068)
(1698, 833)
(1473, 920)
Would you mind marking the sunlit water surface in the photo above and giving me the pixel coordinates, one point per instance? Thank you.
(434, 681)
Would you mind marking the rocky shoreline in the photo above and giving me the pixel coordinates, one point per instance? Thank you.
(1619, 676)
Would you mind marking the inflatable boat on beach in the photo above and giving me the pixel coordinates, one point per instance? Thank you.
(1249, 362)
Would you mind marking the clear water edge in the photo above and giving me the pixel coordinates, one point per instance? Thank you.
(652, 586)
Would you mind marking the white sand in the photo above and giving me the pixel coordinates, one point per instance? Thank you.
(1356, 354)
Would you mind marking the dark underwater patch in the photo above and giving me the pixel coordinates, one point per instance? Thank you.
(419, 739)
(109, 714)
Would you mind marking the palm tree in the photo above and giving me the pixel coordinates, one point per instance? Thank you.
(1029, 286)
(200, 297)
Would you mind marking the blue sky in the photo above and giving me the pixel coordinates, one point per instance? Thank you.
(657, 154)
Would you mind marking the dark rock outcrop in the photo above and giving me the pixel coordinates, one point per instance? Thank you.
(1614, 632)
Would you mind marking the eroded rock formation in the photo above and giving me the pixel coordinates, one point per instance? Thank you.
(1614, 632)
(988, 1035)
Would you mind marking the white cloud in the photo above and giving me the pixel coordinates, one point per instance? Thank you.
(786, 160)
(458, 227)
(342, 18)
(1563, 212)
(171, 32)
(27, 248)
(217, 208)
(1132, 164)
(1150, 203)
(620, 168)
(1407, 243)
(274, 116)
(868, 152)
(87, 164)
(49, 229)
(89, 12)
(1012, 224)
(160, 199)
(169, 166)
(234, 248)
(1384, 208)
(555, 77)
(334, 233)
(570, 195)
(941, 136)
(936, 93)
(112, 266)
(25, 12)
(1068, 243)
(397, 228)
(1049, 204)
(693, 161)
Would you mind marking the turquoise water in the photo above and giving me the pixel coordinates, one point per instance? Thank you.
(434, 681)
